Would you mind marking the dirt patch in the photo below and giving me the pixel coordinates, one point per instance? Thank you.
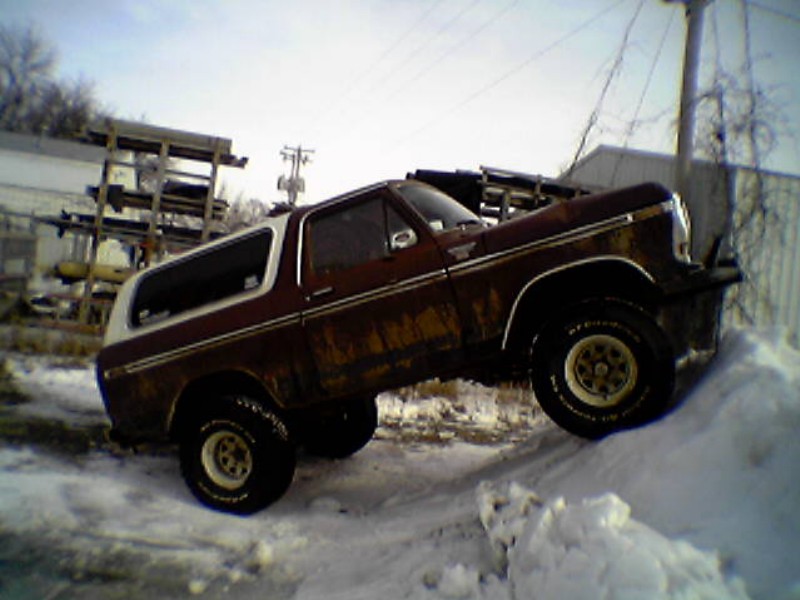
(49, 435)
(50, 341)
(9, 394)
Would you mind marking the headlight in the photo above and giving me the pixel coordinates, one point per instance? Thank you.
(681, 230)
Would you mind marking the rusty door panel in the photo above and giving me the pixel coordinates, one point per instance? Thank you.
(381, 322)
(261, 337)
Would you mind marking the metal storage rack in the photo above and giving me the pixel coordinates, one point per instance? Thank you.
(501, 194)
(172, 193)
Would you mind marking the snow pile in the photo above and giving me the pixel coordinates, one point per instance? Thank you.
(692, 506)
(720, 471)
(593, 549)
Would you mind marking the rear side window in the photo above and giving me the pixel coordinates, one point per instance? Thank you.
(201, 279)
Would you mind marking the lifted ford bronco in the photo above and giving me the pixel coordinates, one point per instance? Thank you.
(282, 335)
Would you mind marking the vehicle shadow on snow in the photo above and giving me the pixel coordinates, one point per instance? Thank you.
(52, 435)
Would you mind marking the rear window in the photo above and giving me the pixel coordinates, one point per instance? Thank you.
(201, 279)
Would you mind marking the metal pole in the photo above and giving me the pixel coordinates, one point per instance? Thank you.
(688, 104)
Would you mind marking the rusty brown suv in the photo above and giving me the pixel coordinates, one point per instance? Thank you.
(282, 335)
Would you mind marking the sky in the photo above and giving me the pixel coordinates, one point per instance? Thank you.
(379, 88)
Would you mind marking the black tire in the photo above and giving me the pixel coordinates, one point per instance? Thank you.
(236, 456)
(602, 366)
(344, 432)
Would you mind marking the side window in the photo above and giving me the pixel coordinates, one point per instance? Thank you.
(354, 235)
(201, 279)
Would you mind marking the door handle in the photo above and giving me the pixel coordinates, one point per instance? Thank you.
(461, 252)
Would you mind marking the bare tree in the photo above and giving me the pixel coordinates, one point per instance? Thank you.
(26, 65)
(741, 123)
(32, 99)
(243, 213)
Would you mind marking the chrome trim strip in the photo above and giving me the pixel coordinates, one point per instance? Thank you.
(298, 318)
(406, 285)
(552, 241)
(409, 285)
(164, 357)
(568, 236)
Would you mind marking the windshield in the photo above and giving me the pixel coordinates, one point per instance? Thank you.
(439, 210)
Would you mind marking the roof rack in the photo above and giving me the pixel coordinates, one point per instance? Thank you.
(501, 194)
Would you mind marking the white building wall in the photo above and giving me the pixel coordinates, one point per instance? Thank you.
(47, 173)
(42, 177)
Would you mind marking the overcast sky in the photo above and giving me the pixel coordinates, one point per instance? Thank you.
(382, 87)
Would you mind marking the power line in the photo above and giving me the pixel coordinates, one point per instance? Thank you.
(612, 75)
(374, 104)
(458, 45)
(356, 81)
(516, 69)
(448, 25)
(773, 11)
(635, 118)
(408, 58)
(436, 61)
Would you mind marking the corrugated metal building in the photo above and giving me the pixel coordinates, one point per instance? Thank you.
(765, 233)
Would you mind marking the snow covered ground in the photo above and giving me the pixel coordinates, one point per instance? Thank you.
(703, 504)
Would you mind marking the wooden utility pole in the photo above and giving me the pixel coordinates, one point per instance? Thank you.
(294, 184)
(688, 103)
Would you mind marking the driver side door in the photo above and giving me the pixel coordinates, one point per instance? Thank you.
(379, 310)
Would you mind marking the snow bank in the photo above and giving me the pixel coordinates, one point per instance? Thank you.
(593, 549)
(720, 471)
(65, 392)
(703, 503)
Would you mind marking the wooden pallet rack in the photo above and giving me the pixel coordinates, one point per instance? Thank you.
(175, 191)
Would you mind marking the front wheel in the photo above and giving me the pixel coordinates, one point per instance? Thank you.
(236, 456)
(602, 366)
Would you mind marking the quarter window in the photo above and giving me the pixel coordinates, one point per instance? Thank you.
(202, 279)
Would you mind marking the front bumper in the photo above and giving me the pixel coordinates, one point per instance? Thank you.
(691, 308)
(699, 279)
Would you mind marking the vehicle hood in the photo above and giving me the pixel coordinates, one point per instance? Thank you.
(579, 212)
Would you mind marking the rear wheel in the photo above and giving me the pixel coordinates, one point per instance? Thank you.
(343, 432)
(236, 456)
(602, 366)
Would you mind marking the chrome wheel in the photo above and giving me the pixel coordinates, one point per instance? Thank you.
(600, 370)
(227, 459)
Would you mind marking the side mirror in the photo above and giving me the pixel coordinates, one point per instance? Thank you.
(402, 240)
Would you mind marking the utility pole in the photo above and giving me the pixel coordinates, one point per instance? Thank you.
(294, 184)
(688, 104)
